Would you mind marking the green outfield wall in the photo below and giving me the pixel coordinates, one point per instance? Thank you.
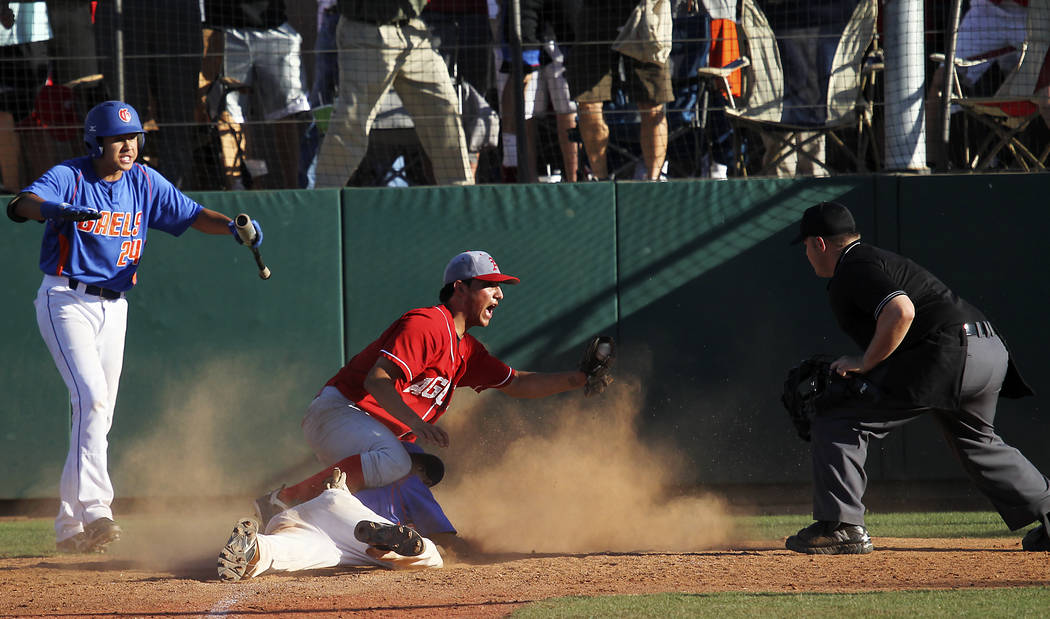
(696, 280)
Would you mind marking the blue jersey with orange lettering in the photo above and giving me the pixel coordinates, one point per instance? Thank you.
(106, 251)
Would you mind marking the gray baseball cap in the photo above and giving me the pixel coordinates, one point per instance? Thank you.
(476, 265)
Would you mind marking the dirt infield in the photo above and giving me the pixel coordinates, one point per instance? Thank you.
(557, 515)
(493, 586)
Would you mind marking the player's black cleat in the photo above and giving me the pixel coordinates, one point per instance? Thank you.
(831, 538)
(96, 537)
(99, 534)
(73, 545)
(396, 537)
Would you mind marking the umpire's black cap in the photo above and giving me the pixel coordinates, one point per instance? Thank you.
(825, 219)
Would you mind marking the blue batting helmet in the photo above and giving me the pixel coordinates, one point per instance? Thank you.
(110, 118)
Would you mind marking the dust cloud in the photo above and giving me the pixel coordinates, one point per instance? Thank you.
(562, 475)
(573, 479)
(195, 472)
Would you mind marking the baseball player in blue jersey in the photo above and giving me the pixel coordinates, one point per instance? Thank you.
(399, 526)
(96, 212)
(410, 502)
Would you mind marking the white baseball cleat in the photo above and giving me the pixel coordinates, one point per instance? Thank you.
(240, 553)
(337, 481)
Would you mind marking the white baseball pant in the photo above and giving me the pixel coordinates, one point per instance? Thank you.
(320, 533)
(85, 335)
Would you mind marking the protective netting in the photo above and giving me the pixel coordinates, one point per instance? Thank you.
(263, 94)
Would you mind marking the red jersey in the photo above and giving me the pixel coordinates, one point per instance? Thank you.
(433, 363)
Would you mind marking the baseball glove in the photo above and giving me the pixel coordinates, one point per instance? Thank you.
(812, 386)
(597, 358)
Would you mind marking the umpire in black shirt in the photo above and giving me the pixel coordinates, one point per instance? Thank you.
(928, 351)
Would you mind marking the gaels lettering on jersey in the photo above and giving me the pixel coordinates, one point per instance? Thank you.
(113, 223)
(428, 387)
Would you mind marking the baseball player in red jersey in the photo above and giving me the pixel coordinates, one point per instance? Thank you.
(399, 385)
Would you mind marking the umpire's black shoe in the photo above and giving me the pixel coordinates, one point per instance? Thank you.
(831, 538)
(1036, 540)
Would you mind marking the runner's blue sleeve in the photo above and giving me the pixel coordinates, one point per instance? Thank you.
(408, 501)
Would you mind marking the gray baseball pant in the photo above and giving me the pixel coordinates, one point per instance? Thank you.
(1016, 488)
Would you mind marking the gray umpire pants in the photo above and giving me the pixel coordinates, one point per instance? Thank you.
(1018, 490)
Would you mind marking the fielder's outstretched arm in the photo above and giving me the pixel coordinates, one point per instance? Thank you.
(543, 384)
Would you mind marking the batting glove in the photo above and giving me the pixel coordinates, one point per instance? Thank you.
(258, 233)
(63, 211)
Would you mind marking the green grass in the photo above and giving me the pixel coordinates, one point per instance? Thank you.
(1014, 602)
(27, 538)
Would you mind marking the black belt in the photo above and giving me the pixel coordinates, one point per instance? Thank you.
(982, 328)
(91, 289)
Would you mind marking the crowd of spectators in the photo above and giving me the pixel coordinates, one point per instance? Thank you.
(233, 96)
(231, 99)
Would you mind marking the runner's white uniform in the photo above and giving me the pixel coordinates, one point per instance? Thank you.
(320, 533)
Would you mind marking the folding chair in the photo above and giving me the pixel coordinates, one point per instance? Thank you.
(1010, 111)
(805, 83)
(698, 133)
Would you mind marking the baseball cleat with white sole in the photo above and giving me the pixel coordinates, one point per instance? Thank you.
(241, 551)
(831, 538)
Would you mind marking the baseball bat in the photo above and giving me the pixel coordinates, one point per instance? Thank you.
(246, 231)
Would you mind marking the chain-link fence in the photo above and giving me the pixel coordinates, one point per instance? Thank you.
(268, 94)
